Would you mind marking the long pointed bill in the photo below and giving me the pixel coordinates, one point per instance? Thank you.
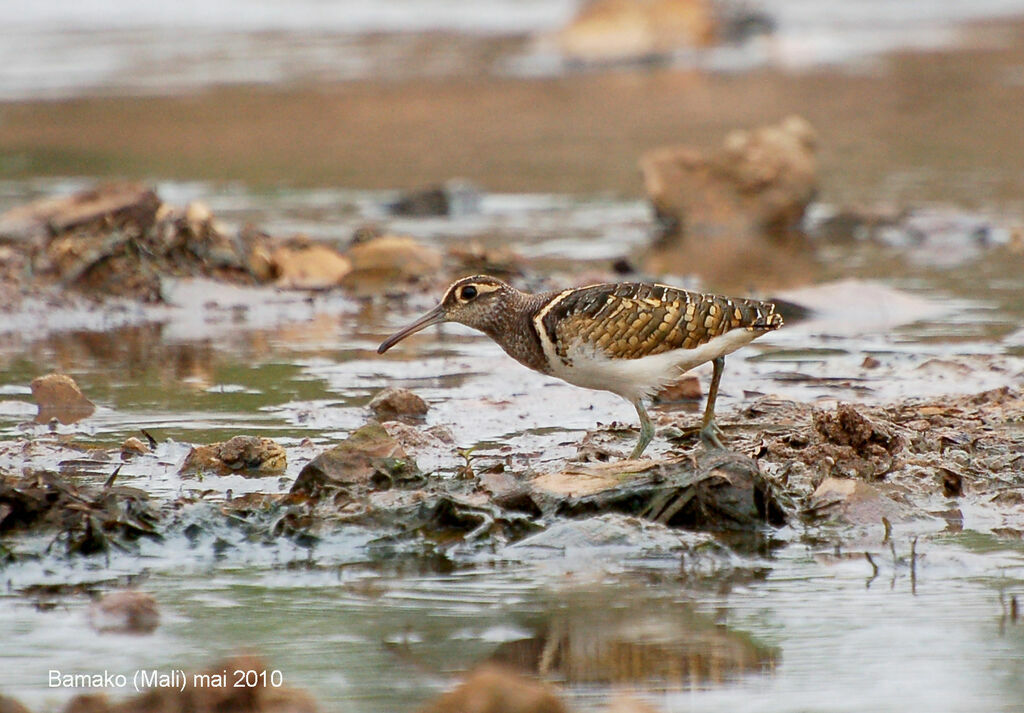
(434, 316)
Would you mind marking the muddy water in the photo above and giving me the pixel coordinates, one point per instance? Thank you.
(795, 622)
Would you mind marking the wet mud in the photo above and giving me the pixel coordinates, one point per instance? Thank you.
(254, 428)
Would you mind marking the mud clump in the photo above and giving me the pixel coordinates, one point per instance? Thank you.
(734, 213)
(89, 519)
(856, 445)
(249, 456)
(394, 404)
(369, 459)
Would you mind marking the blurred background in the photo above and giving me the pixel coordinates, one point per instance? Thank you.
(517, 95)
(212, 212)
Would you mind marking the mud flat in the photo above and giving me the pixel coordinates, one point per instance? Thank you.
(914, 126)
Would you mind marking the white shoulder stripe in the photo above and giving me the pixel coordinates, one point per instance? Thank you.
(538, 324)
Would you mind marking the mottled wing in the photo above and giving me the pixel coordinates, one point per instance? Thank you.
(633, 320)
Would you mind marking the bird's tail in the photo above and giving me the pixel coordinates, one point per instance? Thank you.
(768, 317)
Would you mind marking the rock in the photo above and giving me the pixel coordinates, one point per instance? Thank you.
(59, 397)
(310, 266)
(494, 689)
(630, 30)
(210, 691)
(395, 404)
(686, 388)
(390, 260)
(128, 611)
(455, 198)
(369, 456)
(249, 456)
(735, 213)
(133, 446)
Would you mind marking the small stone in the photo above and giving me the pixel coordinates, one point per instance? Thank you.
(870, 363)
(128, 611)
(133, 446)
(396, 404)
(249, 456)
(59, 397)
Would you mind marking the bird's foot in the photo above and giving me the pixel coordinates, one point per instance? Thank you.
(710, 436)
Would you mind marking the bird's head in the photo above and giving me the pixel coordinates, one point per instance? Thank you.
(476, 301)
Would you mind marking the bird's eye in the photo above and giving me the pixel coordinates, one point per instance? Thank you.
(468, 292)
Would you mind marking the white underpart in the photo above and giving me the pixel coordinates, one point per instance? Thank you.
(635, 379)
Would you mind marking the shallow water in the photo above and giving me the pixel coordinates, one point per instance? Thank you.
(369, 625)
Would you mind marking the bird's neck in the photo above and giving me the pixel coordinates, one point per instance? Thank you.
(511, 327)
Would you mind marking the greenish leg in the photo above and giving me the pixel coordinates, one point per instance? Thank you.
(646, 429)
(710, 432)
